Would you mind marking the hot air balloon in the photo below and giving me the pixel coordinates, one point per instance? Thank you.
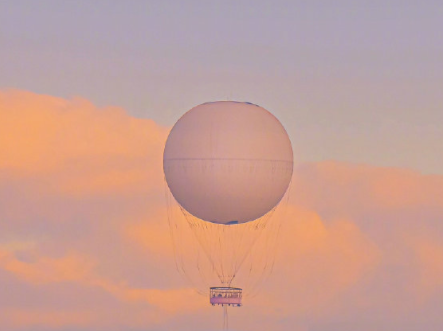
(227, 166)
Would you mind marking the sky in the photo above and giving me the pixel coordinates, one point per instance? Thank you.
(355, 81)
(88, 93)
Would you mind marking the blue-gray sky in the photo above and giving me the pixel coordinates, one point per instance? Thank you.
(84, 237)
(351, 81)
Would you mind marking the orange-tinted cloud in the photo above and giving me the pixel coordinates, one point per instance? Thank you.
(76, 147)
(85, 244)
(17, 319)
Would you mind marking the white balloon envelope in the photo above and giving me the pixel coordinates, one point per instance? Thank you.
(228, 162)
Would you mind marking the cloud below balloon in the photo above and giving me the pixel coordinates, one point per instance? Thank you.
(85, 244)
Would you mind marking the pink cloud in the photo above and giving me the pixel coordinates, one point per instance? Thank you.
(85, 243)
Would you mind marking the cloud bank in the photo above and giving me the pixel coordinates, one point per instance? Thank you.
(84, 241)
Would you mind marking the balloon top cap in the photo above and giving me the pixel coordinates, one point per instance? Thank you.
(231, 101)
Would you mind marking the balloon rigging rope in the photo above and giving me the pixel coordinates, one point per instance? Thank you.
(225, 247)
(177, 241)
(272, 244)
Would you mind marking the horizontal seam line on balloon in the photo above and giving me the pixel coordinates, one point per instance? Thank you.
(224, 159)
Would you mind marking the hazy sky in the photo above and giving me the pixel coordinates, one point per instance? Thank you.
(351, 81)
(88, 93)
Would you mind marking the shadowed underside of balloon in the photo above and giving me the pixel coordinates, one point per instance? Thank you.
(227, 190)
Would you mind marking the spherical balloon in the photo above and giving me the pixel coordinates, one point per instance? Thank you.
(228, 162)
